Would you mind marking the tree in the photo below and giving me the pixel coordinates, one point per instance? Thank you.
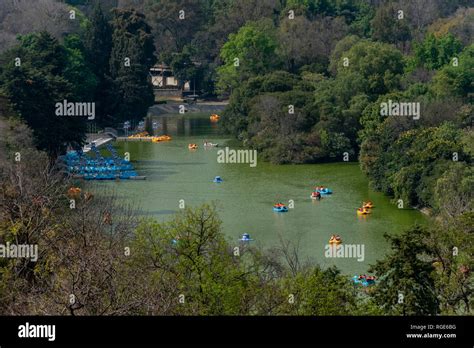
(453, 191)
(302, 42)
(458, 24)
(406, 285)
(380, 64)
(388, 26)
(434, 52)
(250, 52)
(131, 58)
(22, 17)
(456, 80)
(184, 69)
(226, 17)
(39, 83)
(175, 22)
(311, 8)
(78, 71)
(98, 47)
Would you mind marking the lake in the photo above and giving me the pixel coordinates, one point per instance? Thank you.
(247, 194)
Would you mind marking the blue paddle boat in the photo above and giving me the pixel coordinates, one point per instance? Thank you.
(245, 238)
(217, 179)
(280, 208)
(363, 280)
(324, 191)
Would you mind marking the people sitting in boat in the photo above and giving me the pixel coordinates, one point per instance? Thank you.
(74, 191)
(246, 237)
(367, 205)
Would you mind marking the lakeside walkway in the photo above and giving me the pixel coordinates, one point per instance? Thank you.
(97, 139)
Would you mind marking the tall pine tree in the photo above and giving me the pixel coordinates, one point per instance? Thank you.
(131, 58)
(35, 86)
(98, 44)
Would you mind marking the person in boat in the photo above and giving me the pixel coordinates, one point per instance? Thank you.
(318, 195)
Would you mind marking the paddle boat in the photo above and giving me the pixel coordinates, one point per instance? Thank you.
(74, 192)
(335, 239)
(192, 146)
(368, 205)
(214, 118)
(160, 138)
(218, 179)
(323, 190)
(364, 280)
(362, 211)
(280, 208)
(209, 144)
(245, 238)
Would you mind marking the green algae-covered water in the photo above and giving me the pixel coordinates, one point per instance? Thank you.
(246, 196)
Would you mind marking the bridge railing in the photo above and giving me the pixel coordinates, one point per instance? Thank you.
(111, 131)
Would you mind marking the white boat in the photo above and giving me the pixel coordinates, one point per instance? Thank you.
(207, 144)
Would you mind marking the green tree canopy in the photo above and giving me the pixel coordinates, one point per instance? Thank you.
(47, 75)
(249, 52)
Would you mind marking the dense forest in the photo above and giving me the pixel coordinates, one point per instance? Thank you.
(306, 82)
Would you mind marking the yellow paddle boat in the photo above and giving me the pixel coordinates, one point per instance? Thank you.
(214, 118)
(368, 205)
(192, 146)
(161, 138)
(74, 192)
(362, 211)
(335, 239)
